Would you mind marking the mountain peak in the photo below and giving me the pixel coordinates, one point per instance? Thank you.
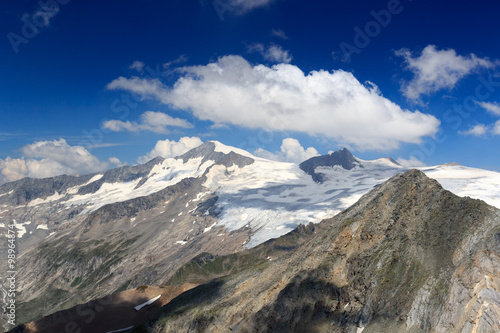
(342, 158)
(220, 154)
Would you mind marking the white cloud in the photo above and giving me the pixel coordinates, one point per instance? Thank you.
(291, 151)
(180, 59)
(477, 130)
(51, 158)
(168, 148)
(279, 33)
(282, 97)
(116, 162)
(273, 53)
(412, 162)
(157, 122)
(12, 169)
(245, 6)
(143, 87)
(137, 65)
(492, 107)
(496, 128)
(438, 69)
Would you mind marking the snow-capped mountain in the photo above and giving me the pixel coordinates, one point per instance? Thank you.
(96, 232)
(269, 197)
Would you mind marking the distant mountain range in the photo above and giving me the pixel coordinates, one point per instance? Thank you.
(82, 238)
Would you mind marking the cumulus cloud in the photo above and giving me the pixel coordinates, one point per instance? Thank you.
(478, 130)
(492, 107)
(330, 104)
(51, 158)
(291, 151)
(157, 122)
(170, 148)
(412, 162)
(273, 53)
(437, 69)
(12, 169)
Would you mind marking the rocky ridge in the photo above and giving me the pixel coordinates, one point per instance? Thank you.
(408, 257)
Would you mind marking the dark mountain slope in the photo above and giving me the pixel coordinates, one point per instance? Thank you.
(408, 257)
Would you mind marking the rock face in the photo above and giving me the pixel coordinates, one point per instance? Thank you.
(409, 256)
(342, 158)
(207, 152)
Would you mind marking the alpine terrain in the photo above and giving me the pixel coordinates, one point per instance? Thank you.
(219, 240)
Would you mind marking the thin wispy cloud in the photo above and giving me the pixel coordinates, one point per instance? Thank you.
(245, 6)
(279, 33)
(179, 60)
(492, 107)
(157, 122)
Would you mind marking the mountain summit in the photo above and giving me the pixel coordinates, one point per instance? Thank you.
(220, 154)
(342, 158)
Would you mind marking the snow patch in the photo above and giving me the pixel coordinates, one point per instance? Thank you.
(10, 192)
(38, 201)
(209, 228)
(222, 148)
(42, 226)
(21, 229)
(200, 195)
(151, 301)
(168, 173)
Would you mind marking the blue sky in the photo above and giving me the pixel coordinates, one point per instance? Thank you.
(89, 85)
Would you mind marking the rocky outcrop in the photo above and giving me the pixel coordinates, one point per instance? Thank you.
(207, 152)
(408, 257)
(342, 158)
